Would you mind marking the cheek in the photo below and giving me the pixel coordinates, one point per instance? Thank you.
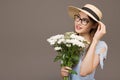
(87, 27)
(75, 23)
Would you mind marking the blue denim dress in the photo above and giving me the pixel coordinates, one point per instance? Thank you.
(99, 47)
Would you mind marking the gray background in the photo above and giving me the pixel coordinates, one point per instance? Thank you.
(26, 24)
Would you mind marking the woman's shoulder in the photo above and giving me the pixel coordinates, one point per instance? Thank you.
(102, 43)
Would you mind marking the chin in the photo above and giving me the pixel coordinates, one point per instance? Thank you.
(78, 31)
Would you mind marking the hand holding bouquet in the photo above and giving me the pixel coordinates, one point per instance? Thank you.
(70, 47)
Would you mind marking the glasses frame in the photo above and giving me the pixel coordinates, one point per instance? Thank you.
(77, 19)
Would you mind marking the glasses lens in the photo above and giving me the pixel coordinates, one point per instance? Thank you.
(84, 21)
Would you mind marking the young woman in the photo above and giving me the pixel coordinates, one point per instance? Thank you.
(87, 24)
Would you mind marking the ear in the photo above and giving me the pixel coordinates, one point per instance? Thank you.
(95, 26)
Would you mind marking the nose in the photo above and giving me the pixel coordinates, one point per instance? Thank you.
(78, 22)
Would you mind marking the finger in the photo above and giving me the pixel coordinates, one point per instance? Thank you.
(68, 68)
(98, 29)
(63, 69)
(65, 74)
(103, 27)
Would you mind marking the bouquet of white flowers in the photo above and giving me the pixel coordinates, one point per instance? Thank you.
(69, 46)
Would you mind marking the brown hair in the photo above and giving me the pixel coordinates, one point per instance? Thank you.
(93, 30)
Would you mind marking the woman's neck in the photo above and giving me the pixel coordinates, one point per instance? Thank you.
(87, 37)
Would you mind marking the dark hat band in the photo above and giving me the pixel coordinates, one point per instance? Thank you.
(91, 12)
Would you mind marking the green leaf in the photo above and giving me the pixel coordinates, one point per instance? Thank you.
(57, 58)
(72, 72)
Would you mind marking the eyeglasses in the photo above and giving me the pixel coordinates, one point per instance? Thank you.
(84, 21)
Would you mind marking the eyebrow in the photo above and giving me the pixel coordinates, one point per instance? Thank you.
(84, 18)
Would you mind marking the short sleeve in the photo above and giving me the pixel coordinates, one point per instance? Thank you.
(101, 50)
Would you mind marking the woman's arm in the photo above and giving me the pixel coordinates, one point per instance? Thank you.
(91, 60)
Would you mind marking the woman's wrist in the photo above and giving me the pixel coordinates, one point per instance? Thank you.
(95, 41)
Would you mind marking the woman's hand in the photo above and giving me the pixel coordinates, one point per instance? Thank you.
(101, 31)
(65, 71)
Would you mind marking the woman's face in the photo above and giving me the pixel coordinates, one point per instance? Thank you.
(83, 24)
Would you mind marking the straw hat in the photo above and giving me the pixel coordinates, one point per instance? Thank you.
(91, 10)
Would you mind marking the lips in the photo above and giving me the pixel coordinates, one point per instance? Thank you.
(78, 27)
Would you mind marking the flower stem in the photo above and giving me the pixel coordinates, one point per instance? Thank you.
(65, 78)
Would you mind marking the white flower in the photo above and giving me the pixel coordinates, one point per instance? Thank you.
(57, 48)
(75, 42)
(68, 41)
(74, 36)
(80, 44)
(53, 39)
(68, 45)
(60, 41)
(59, 36)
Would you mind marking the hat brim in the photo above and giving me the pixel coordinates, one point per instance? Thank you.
(72, 10)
